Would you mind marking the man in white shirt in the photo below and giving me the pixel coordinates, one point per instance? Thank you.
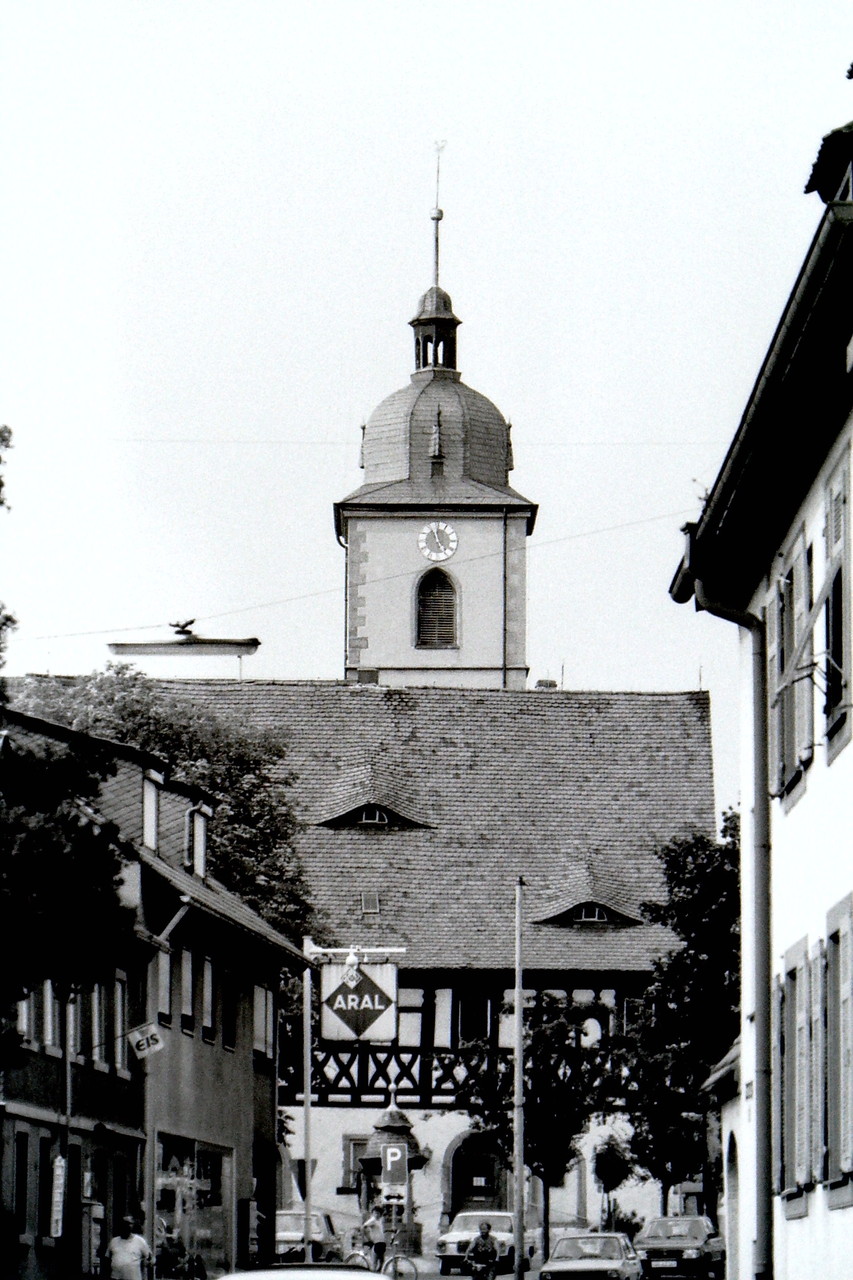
(128, 1253)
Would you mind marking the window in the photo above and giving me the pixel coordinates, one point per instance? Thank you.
(208, 1020)
(50, 1017)
(590, 913)
(473, 1016)
(229, 1011)
(354, 1147)
(836, 624)
(436, 627)
(150, 809)
(99, 1025)
(27, 1018)
(790, 661)
(164, 987)
(264, 1030)
(195, 840)
(372, 816)
(45, 1186)
(839, 1041)
(22, 1183)
(120, 1022)
(187, 1020)
(410, 1003)
(369, 902)
(72, 1026)
(796, 1150)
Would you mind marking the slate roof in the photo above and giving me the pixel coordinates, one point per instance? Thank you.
(571, 790)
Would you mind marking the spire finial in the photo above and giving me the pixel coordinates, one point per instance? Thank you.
(437, 214)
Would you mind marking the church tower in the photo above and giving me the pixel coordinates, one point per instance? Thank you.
(435, 537)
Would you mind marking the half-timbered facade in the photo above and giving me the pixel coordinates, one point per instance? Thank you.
(417, 811)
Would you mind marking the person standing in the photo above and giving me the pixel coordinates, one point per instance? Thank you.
(374, 1234)
(128, 1253)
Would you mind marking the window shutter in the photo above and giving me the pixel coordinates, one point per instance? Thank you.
(802, 1077)
(436, 611)
(803, 690)
(776, 1085)
(774, 704)
(845, 1047)
(817, 974)
(836, 514)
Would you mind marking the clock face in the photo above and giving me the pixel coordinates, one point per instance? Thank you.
(437, 540)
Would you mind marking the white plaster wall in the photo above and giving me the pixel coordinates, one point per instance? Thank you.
(435, 1131)
(811, 870)
(393, 567)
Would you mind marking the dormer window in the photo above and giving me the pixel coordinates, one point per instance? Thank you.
(590, 913)
(373, 816)
(195, 840)
(151, 784)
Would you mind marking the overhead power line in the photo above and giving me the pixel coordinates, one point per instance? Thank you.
(326, 591)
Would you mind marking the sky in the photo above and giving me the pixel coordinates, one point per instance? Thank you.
(216, 228)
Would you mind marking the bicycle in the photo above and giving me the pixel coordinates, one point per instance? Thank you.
(396, 1265)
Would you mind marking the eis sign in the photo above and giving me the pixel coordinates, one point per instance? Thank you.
(358, 1002)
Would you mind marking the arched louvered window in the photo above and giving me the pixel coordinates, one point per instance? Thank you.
(436, 611)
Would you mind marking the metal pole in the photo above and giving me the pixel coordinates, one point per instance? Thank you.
(306, 1107)
(518, 1097)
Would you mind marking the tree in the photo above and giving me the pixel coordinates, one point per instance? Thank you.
(250, 848)
(60, 912)
(691, 1014)
(612, 1166)
(569, 1078)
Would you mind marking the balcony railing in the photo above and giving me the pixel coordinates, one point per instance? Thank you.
(361, 1074)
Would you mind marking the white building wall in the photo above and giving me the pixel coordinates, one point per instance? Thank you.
(811, 871)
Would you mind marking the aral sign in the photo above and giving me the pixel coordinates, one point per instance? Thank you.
(358, 1002)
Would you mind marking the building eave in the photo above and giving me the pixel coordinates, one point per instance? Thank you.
(798, 406)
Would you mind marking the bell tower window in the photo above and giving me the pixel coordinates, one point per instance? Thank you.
(436, 611)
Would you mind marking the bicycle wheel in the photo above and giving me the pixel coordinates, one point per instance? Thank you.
(400, 1267)
(357, 1259)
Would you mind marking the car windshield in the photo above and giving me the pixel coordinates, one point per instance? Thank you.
(675, 1229)
(587, 1247)
(471, 1221)
(293, 1220)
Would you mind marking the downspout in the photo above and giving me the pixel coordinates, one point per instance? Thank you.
(504, 652)
(763, 1245)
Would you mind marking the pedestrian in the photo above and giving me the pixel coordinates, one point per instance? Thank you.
(481, 1256)
(374, 1234)
(128, 1253)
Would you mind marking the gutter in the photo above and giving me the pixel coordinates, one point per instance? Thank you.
(760, 853)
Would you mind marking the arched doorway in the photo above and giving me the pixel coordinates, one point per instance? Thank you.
(732, 1196)
(478, 1179)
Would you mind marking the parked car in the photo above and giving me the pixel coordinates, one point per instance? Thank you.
(307, 1271)
(451, 1247)
(589, 1255)
(687, 1246)
(326, 1244)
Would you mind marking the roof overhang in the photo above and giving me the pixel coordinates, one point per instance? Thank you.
(798, 407)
